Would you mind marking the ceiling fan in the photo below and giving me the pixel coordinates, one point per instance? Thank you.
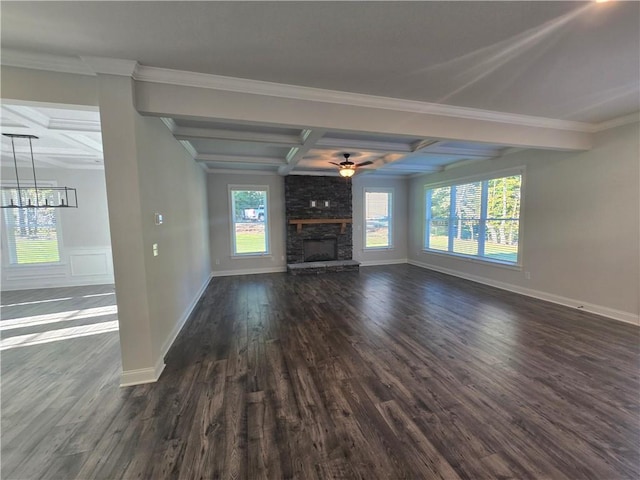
(348, 168)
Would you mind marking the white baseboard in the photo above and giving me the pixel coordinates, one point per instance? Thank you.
(150, 375)
(130, 378)
(375, 263)
(248, 271)
(549, 297)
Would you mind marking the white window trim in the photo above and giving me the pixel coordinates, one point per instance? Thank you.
(391, 192)
(267, 253)
(520, 170)
(14, 265)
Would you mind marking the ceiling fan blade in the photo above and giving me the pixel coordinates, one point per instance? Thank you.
(334, 163)
(368, 162)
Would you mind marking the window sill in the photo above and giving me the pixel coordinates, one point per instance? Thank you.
(250, 255)
(481, 261)
(377, 249)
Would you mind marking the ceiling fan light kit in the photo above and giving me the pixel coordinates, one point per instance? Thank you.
(347, 167)
(347, 171)
(33, 196)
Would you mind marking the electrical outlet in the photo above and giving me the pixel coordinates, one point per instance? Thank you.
(155, 249)
(217, 261)
(527, 275)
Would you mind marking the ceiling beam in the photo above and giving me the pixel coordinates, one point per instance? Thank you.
(190, 133)
(309, 140)
(74, 125)
(229, 159)
(463, 152)
(390, 117)
(424, 144)
(361, 145)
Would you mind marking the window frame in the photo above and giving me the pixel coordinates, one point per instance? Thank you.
(390, 205)
(267, 222)
(12, 254)
(483, 206)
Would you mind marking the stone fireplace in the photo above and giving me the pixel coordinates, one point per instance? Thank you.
(320, 249)
(319, 216)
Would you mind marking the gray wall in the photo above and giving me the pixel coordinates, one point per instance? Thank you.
(172, 184)
(220, 226)
(580, 216)
(85, 246)
(222, 261)
(147, 172)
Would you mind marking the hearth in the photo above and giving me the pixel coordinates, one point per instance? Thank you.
(320, 249)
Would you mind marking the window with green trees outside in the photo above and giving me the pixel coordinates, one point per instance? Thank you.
(32, 233)
(250, 232)
(477, 219)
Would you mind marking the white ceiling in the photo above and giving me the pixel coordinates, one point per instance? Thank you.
(577, 61)
(67, 138)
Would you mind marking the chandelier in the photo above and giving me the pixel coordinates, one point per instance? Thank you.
(31, 195)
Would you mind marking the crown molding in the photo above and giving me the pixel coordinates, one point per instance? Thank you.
(111, 66)
(296, 92)
(170, 123)
(616, 122)
(189, 148)
(41, 61)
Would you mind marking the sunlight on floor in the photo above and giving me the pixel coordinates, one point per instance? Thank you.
(36, 302)
(56, 335)
(57, 317)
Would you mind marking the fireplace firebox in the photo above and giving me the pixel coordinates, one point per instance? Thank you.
(320, 249)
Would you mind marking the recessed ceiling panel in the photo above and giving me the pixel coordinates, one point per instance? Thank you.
(225, 147)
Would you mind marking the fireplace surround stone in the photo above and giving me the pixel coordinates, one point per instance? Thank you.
(300, 193)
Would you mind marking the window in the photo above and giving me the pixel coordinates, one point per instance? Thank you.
(32, 233)
(378, 218)
(250, 232)
(476, 219)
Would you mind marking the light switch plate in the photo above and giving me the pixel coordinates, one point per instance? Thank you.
(159, 219)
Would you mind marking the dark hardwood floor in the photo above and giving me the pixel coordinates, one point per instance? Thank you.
(393, 372)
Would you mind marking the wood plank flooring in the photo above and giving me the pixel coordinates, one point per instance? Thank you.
(393, 372)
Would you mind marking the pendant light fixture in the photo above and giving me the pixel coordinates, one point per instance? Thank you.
(30, 195)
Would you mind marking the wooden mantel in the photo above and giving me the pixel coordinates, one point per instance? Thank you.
(309, 221)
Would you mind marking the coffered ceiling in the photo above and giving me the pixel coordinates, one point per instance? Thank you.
(573, 62)
(266, 148)
(67, 138)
